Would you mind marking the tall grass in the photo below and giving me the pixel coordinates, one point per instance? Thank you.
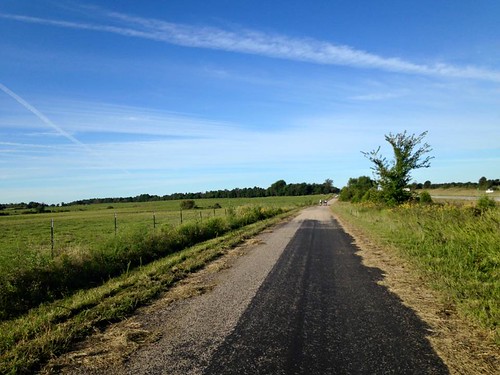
(455, 246)
(42, 279)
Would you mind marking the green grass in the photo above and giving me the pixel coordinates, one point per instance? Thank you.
(457, 248)
(28, 341)
(85, 225)
(87, 252)
(25, 238)
(461, 192)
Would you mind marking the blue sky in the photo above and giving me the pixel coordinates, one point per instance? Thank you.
(120, 98)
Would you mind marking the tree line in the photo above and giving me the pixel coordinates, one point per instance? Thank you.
(279, 188)
(482, 184)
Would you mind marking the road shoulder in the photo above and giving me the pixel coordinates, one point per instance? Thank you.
(177, 333)
(463, 346)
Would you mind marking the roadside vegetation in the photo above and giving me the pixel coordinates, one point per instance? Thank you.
(50, 302)
(30, 340)
(455, 246)
(32, 274)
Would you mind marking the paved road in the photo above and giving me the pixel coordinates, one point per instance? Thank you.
(297, 301)
(320, 311)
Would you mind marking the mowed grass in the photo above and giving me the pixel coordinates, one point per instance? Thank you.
(455, 247)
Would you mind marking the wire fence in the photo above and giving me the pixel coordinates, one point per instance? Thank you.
(55, 234)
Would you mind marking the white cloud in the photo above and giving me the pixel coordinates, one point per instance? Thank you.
(379, 96)
(263, 44)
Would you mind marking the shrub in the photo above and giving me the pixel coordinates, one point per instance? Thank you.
(373, 195)
(425, 197)
(485, 203)
(188, 204)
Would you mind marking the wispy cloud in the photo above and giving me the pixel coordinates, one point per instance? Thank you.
(379, 96)
(263, 44)
(41, 116)
(91, 117)
(51, 125)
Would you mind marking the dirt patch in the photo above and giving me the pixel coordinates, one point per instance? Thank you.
(465, 348)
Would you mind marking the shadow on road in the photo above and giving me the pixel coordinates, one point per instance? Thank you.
(321, 311)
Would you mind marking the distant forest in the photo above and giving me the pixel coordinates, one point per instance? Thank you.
(279, 188)
(482, 184)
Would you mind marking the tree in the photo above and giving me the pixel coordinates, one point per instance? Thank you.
(484, 183)
(328, 186)
(277, 189)
(356, 189)
(393, 176)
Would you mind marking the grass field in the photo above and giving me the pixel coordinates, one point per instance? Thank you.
(457, 247)
(87, 251)
(25, 237)
(29, 340)
(461, 192)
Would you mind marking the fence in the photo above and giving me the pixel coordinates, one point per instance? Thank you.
(65, 230)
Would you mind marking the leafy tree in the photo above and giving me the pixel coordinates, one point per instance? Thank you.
(393, 176)
(278, 188)
(328, 186)
(356, 189)
(484, 183)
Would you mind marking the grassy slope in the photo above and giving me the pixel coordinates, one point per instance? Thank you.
(26, 237)
(30, 276)
(454, 248)
(29, 341)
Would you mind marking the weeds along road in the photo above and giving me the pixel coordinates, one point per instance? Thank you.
(299, 302)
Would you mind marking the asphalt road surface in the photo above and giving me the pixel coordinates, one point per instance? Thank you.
(297, 300)
(320, 311)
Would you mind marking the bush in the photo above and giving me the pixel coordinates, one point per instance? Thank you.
(373, 195)
(188, 204)
(485, 203)
(425, 197)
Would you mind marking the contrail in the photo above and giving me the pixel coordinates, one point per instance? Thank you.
(41, 116)
(48, 122)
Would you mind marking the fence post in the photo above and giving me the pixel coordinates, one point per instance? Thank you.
(154, 220)
(201, 218)
(52, 238)
(115, 224)
(181, 215)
